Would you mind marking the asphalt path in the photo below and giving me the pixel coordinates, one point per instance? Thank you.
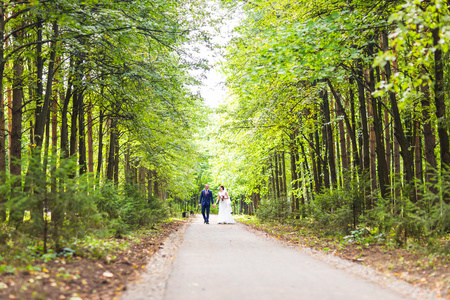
(229, 262)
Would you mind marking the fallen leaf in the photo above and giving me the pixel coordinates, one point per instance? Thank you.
(108, 274)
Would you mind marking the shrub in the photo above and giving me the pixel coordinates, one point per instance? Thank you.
(274, 209)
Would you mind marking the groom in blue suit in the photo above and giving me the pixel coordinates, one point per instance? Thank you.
(206, 198)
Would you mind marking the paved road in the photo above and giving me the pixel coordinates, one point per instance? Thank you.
(228, 262)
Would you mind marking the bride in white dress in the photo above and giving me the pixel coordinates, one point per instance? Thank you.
(224, 201)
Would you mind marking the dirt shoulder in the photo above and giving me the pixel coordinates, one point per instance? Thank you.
(82, 277)
(418, 267)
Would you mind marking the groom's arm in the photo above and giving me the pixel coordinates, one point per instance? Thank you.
(200, 199)
(212, 198)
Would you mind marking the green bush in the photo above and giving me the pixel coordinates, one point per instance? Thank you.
(136, 210)
(277, 209)
(340, 210)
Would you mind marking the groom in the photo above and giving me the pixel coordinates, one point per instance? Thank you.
(206, 198)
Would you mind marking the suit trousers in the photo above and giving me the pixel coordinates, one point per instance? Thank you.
(205, 209)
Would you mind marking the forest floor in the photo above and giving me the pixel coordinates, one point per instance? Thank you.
(86, 277)
(416, 265)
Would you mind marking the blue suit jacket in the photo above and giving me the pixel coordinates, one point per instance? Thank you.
(205, 200)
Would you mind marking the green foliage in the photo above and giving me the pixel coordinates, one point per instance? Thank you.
(137, 211)
(277, 209)
(340, 210)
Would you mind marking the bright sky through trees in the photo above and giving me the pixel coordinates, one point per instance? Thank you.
(213, 89)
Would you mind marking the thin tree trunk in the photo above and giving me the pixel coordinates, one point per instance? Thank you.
(326, 172)
(418, 152)
(363, 114)
(294, 178)
(64, 126)
(329, 137)
(73, 124)
(54, 112)
(344, 152)
(429, 140)
(356, 157)
(283, 162)
(277, 176)
(387, 137)
(155, 186)
(41, 117)
(313, 163)
(319, 163)
(112, 142)
(116, 159)
(90, 140)
(373, 167)
(82, 135)
(100, 144)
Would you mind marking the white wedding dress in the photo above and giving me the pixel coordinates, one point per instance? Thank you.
(225, 216)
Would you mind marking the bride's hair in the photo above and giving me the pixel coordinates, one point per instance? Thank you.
(223, 188)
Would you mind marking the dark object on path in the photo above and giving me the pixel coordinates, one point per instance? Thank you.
(191, 212)
(185, 214)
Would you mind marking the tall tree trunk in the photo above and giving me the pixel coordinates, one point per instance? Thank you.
(326, 172)
(319, 163)
(372, 143)
(40, 116)
(313, 162)
(100, 144)
(329, 137)
(429, 139)
(344, 152)
(387, 138)
(116, 159)
(64, 126)
(356, 157)
(155, 186)
(363, 113)
(17, 211)
(82, 135)
(73, 123)
(293, 153)
(54, 112)
(111, 156)
(439, 99)
(9, 110)
(277, 175)
(283, 163)
(142, 172)
(90, 140)
(42, 113)
(417, 152)
(2, 118)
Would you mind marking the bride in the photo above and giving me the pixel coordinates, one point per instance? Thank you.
(225, 216)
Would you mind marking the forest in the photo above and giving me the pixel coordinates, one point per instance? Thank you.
(97, 115)
(337, 115)
(336, 119)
